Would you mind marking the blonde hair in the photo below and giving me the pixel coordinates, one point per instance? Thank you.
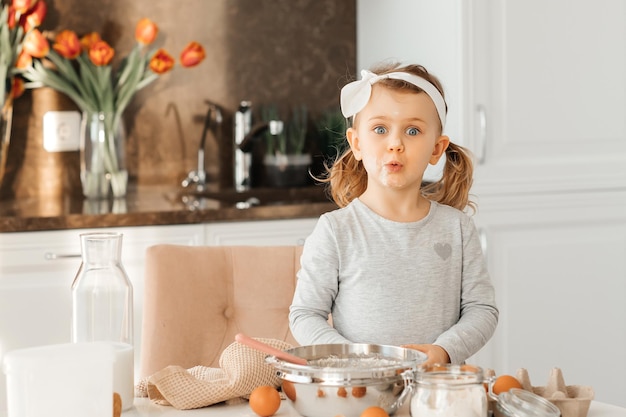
(347, 178)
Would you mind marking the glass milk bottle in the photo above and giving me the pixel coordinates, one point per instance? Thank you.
(102, 306)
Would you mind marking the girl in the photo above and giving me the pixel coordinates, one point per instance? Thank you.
(398, 263)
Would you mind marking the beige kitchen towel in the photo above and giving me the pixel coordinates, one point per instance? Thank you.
(241, 370)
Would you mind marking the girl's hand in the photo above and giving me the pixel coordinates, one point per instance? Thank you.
(435, 353)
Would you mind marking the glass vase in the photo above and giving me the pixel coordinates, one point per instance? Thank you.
(6, 118)
(103, 163)
(102, 306)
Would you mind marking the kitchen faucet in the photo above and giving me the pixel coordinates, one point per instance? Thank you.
(275, 127)
(242, 161)
(213, 119)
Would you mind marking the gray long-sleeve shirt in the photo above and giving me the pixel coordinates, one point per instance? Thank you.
(394, 283)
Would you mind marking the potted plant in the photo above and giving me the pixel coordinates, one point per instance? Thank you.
(286, 162)
(331, 131)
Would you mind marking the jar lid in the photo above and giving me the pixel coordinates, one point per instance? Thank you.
(521, 403)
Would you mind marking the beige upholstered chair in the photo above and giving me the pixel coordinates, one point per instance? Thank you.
(198, 297)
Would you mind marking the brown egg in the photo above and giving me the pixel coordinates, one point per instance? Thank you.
(503, 383)
(289, 390)
(265, 401)
(117, 405)
(358, 392)
(374, 411)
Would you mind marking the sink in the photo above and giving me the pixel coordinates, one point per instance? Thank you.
(207, 200)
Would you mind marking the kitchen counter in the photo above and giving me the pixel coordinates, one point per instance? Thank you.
(145, 408)
(163, 205)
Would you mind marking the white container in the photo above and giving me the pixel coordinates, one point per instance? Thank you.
(123, 373)
(66, 380)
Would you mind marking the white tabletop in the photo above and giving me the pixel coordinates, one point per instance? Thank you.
(144, 408)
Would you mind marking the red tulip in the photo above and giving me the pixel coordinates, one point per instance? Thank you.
(101, 53)
(67, 44)
(34, 17)
(35, 44)
(161, 62)
(22, 6)
(146, 31)
(17, 89)
(23, 60)
(192, 55)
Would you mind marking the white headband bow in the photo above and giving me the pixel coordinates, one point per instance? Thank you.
(355, 95)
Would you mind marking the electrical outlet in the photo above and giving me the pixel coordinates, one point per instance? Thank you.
(61, 131)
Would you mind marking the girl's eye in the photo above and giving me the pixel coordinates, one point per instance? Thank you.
(380, 130)
(412, 131)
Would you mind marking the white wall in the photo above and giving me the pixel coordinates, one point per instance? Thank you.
(411, 32)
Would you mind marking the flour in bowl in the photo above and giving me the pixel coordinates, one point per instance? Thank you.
(353, 361)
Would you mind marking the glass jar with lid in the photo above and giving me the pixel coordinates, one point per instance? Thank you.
(449, 390)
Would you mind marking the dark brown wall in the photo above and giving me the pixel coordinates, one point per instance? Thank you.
(286, 52)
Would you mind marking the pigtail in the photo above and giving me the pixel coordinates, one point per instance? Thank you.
(346, 179)
(454, 186)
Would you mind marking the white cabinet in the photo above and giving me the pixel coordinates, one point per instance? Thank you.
(537, 91)
(36, 273)
(266, 233)
(560, 280)
(545, 94)
(544, 104)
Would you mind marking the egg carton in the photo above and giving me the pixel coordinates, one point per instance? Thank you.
(571, 400)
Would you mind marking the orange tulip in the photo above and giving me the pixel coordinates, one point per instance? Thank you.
(17, 89)
(22, 6)
(101, 53)
(23, 60)
(192, 55)
(146, 31)
(35, 44)
(161, 62)
(34, 17)
(88, 40)
(67, 44)
(12, 18)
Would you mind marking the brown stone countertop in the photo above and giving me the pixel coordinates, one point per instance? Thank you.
(163, 205)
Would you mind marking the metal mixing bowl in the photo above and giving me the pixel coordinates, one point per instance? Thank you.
(345, 379)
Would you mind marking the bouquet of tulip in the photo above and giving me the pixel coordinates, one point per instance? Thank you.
(81, 68)
(17, 20)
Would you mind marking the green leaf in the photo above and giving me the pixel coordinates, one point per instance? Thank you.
(129, 65)
(40, 74)
(67, 70)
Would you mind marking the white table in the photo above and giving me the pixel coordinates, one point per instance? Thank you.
(144, 408)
